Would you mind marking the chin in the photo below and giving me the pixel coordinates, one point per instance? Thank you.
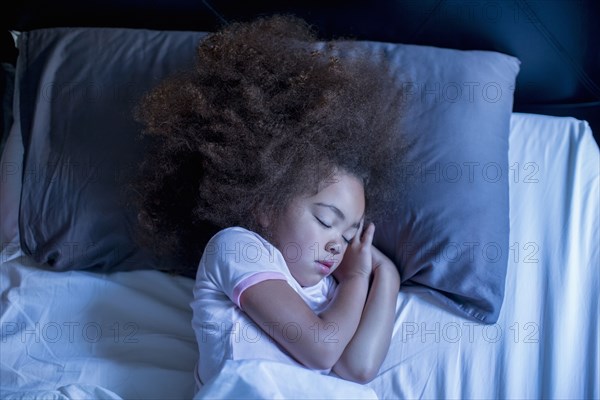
(311, 282)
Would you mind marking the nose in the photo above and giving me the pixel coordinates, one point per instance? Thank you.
(333, 247)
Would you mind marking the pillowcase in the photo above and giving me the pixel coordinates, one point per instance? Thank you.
(7, 83)
(10, 191)
(78, 89)
(451, 232)
(11, 163)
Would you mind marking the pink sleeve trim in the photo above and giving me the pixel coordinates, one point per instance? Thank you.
(253, 280)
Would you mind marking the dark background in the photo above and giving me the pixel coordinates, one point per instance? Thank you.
(556, 40)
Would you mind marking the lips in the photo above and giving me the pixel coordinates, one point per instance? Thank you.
(328, 264)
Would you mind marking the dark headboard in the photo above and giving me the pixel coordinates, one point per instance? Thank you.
(556, 40)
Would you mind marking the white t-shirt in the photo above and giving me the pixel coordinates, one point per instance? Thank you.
(233, 260)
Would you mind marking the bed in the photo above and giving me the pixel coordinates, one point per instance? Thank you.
(498, 247)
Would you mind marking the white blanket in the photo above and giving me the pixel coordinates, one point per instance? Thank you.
(262, 379)
(64, 393)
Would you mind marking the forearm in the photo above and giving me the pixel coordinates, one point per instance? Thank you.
(343, 315)
(367, 349)
(322, 337)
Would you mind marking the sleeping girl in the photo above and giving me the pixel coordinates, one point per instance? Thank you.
(289, 152)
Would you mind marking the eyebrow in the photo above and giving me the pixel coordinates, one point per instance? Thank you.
(337, 212)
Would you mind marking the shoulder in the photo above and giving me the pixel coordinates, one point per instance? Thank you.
(236, 235)
(237, 243)
(240, 249)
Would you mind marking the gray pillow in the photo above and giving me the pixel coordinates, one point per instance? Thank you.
(452, 231)
(79, 86)
(78, 91)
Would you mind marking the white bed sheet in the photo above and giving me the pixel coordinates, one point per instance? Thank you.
(545, 343)
(129, 334)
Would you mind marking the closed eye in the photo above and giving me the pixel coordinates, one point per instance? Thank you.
(322, 223)
(329, 226)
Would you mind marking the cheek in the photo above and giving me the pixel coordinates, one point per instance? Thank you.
(340, 257)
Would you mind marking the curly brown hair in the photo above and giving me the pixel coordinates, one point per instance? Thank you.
(263, 118)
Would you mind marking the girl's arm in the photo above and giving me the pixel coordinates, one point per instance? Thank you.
(362, 358)
(316, 341)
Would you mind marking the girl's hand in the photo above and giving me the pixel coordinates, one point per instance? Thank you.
(358, 258)
(363, 356)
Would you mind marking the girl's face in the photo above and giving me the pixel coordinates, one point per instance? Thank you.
(314, 231)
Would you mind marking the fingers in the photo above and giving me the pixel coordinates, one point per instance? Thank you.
(367, 236)
(359, 232)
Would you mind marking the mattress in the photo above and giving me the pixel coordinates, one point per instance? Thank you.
(128, 334)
